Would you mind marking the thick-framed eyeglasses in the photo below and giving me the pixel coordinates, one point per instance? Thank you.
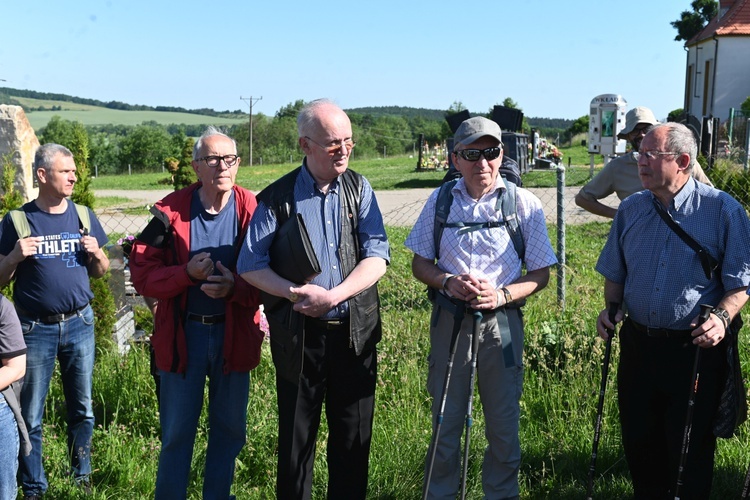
(652, 155)
(334, 146)
(474, 154)
(214, 160)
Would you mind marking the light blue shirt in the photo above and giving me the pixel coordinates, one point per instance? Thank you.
(664, 282)
(322, 215)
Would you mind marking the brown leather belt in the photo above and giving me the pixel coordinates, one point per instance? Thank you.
(661, 332)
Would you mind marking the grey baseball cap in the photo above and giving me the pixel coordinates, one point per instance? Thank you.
(475, 128)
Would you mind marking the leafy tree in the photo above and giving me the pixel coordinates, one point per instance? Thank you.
(145, 147)
(746, 107)
(581, 125)
(58, 131)
(80, 148)
(690, 23)
(675, 115)
(10, 198)
(185, 174)
(291, 110)
(105, 152)
(454, 108)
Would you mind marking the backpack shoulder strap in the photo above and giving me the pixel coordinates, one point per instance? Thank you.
(18, 216)
(83, 216)
(442, 209)
(507, 202)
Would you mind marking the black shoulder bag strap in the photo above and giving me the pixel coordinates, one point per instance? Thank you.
(708, 263)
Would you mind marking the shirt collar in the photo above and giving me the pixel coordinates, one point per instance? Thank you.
(308, 181)
(685, 193)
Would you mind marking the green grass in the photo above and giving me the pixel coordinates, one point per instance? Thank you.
(395, 172)
(562, 358)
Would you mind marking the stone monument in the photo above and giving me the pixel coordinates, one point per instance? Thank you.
(18, 140)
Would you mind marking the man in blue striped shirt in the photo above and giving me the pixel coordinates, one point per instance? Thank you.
(324, 333)
(661, 282)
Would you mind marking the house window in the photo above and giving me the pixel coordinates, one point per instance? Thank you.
(706, 86)
(689, 90)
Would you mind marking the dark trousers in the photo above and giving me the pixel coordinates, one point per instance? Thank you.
(654, 384)
(331, 372)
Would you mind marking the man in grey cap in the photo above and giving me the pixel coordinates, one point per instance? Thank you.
(474, 266)
(620, 175)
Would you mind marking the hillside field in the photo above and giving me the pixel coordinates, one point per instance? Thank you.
(96, 115)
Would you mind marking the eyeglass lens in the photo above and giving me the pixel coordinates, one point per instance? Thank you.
(334, 146)
(213, 161)
(474, 154)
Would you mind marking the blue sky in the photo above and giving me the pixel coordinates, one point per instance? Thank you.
(551, 56)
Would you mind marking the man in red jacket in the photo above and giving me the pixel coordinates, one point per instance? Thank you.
(206, 321)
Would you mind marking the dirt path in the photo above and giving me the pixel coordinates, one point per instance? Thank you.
(399, 207)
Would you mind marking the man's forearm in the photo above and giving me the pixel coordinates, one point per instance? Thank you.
(595, 207)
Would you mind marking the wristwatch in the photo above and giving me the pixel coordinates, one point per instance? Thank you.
(722, 314)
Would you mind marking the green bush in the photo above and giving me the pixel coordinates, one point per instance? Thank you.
(733, 179)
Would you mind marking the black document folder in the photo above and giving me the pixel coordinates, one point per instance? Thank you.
(292, 256)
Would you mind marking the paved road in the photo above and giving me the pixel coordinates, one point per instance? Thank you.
(399, 207)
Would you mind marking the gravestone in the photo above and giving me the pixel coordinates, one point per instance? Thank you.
(18, 140)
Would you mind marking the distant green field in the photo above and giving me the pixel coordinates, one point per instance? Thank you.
(94, 115)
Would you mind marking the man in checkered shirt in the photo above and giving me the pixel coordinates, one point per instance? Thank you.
(477, 268)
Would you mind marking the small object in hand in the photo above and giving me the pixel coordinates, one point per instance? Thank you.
(479, 298)
(293, 297)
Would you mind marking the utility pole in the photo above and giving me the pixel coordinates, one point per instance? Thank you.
(250, 101)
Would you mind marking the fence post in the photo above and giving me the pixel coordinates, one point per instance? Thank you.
(130, 170)
(561, 234)
(747, 144)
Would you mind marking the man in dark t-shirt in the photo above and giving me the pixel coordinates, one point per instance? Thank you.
(51, 268)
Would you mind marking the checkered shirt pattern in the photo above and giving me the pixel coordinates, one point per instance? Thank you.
(487, 252)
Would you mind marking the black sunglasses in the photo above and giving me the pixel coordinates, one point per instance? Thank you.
(474, 154)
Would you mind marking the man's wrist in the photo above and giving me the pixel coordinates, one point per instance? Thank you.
(723, 315)
(445, 280)
(506, 294)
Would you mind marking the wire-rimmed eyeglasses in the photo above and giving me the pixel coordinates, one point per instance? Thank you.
(652, 155)
(334, 146)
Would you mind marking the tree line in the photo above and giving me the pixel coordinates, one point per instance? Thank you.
(115, 149)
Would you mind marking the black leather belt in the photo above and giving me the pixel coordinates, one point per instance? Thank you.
(207, 320)
(52, 318)
(328, 324)
(662, 332)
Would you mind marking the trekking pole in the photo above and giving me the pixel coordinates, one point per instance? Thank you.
(613, 307)
(746, 486)
(705, 313)
(458, 318)
(472, 375)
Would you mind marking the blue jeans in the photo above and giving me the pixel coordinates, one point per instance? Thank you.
(180, 409)
(72, 343)
(8, 452)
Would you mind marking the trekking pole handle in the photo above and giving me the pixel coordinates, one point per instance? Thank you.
(705, 312)
(613, 307)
